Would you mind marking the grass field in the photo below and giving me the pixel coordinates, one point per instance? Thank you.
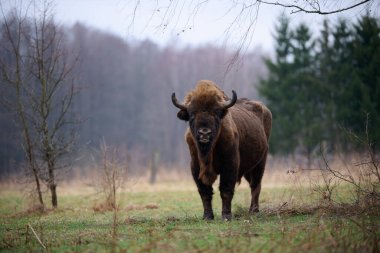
(166, 217)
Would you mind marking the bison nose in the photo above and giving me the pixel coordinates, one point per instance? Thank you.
(204, 135)
(204, 131)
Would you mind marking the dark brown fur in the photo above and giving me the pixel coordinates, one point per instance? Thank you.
(238, 146)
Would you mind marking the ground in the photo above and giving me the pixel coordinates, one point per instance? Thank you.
(166, 217)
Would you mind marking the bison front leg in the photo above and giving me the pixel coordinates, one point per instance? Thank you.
(206, 192)
(227, 189)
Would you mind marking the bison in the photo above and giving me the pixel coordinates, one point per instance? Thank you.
(226, 137)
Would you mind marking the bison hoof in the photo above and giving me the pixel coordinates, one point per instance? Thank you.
(226, 217)
(254, 210)
(208, 216)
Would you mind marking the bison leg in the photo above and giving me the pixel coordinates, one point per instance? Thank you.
(227, 189)
(206, 192)
(226, 204)
(206, 196)
(255, 185)
(254, 179)
(255, 193)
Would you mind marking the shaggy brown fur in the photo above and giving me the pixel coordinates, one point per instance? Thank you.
(205, 94)
(238, 143)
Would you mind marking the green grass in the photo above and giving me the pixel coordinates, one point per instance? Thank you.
(175, 225)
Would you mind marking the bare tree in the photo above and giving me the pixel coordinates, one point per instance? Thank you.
(36, 67)
(12, 66)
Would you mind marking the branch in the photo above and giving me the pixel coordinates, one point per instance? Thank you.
(35, 234)
(317, 10)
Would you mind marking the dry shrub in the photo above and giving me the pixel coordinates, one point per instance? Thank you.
(113, 175)
(103, 207)
(361, 174)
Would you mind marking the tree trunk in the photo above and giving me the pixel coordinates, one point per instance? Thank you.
(39, 193)
(29, 150)
(52, 183)
(154, 166)
(54, 199)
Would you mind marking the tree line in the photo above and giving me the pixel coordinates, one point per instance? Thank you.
(324, 87)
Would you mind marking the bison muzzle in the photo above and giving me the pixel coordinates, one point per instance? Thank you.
(226, 137)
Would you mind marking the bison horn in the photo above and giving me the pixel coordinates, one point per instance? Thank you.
(230, 102)
(178, 104)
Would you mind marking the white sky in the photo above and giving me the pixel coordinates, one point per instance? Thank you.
(116, 16)
(208, 25)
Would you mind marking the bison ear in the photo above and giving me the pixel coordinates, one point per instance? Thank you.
(183, 115)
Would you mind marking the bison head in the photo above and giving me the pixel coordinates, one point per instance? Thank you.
(204, 113)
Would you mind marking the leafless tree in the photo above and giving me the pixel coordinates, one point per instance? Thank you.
(36, 66)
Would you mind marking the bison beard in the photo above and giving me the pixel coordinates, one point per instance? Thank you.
(206, 173)
(205, 156)
(226, 137)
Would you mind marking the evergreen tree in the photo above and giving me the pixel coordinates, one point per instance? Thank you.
(351, 96)
(307, 91)
(366, 62)
(320, 93)
(324, 72)
(278, 94)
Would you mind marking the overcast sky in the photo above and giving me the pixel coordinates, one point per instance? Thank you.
(183, 22)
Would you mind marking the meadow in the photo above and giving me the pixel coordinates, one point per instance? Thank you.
(295, 216)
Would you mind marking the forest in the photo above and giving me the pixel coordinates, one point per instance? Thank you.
(324, 89)
(320, 86)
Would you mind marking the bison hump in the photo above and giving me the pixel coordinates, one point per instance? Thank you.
(260, 111)
(252, 106)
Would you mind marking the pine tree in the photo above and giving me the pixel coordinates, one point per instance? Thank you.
(279, 97)
(366, 55)
(307, 93)
(324, 72)
(318, 90)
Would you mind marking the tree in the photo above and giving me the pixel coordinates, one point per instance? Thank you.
(292, 91)
(14, 74)
(345, 88)
(332, 86)
(277, 89)
(324, 75)
(366, 62)
(36, 67)
(307, 90)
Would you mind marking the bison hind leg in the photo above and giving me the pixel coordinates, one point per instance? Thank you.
(255, 193)
(254, 179)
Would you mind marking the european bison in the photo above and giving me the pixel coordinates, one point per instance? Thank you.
(226, 137)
